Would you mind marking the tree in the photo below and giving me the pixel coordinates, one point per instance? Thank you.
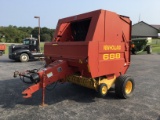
(17, 34)
(46, 37)
(34, 32)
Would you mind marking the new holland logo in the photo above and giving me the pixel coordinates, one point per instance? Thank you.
(111, 47)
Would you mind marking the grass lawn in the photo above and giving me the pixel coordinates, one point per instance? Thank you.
(156, 45)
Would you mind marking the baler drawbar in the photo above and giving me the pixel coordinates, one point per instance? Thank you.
(55, 71)
(91, 50)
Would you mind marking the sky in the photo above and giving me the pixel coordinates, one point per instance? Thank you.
(22, 12)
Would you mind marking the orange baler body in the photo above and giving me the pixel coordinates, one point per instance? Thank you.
(94, 44)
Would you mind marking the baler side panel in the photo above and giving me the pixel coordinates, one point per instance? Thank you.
(98, 34)
(93, 59)
(69, 50)
(126, 28)
(113, 28)
(114, 52)
(111, 58)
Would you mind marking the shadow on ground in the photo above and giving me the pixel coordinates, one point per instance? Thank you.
(10, 94)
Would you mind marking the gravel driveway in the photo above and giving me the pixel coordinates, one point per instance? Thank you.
(72, 102)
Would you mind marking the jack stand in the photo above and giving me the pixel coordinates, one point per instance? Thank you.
(43, 91)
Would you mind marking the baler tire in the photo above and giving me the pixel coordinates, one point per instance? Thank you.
(24, 57)
(102, 90)
(124, 86)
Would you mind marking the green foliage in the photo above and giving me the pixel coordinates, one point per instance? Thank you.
(156, 45)
(46, 34)
(34, 32)
(14, 34)
(46, 37)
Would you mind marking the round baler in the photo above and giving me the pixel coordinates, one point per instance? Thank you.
(91, 50)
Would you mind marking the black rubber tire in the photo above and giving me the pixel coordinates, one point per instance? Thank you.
(24, 57)
(101, 92)
(120, 86)
(134, 52)
(1, 53)
(149, 49)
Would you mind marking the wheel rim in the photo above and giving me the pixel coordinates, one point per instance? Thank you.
(104, 90)
(128, 88)
(24, 58)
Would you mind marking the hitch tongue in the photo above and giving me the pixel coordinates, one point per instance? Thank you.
(32, 89)
(26, 94)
